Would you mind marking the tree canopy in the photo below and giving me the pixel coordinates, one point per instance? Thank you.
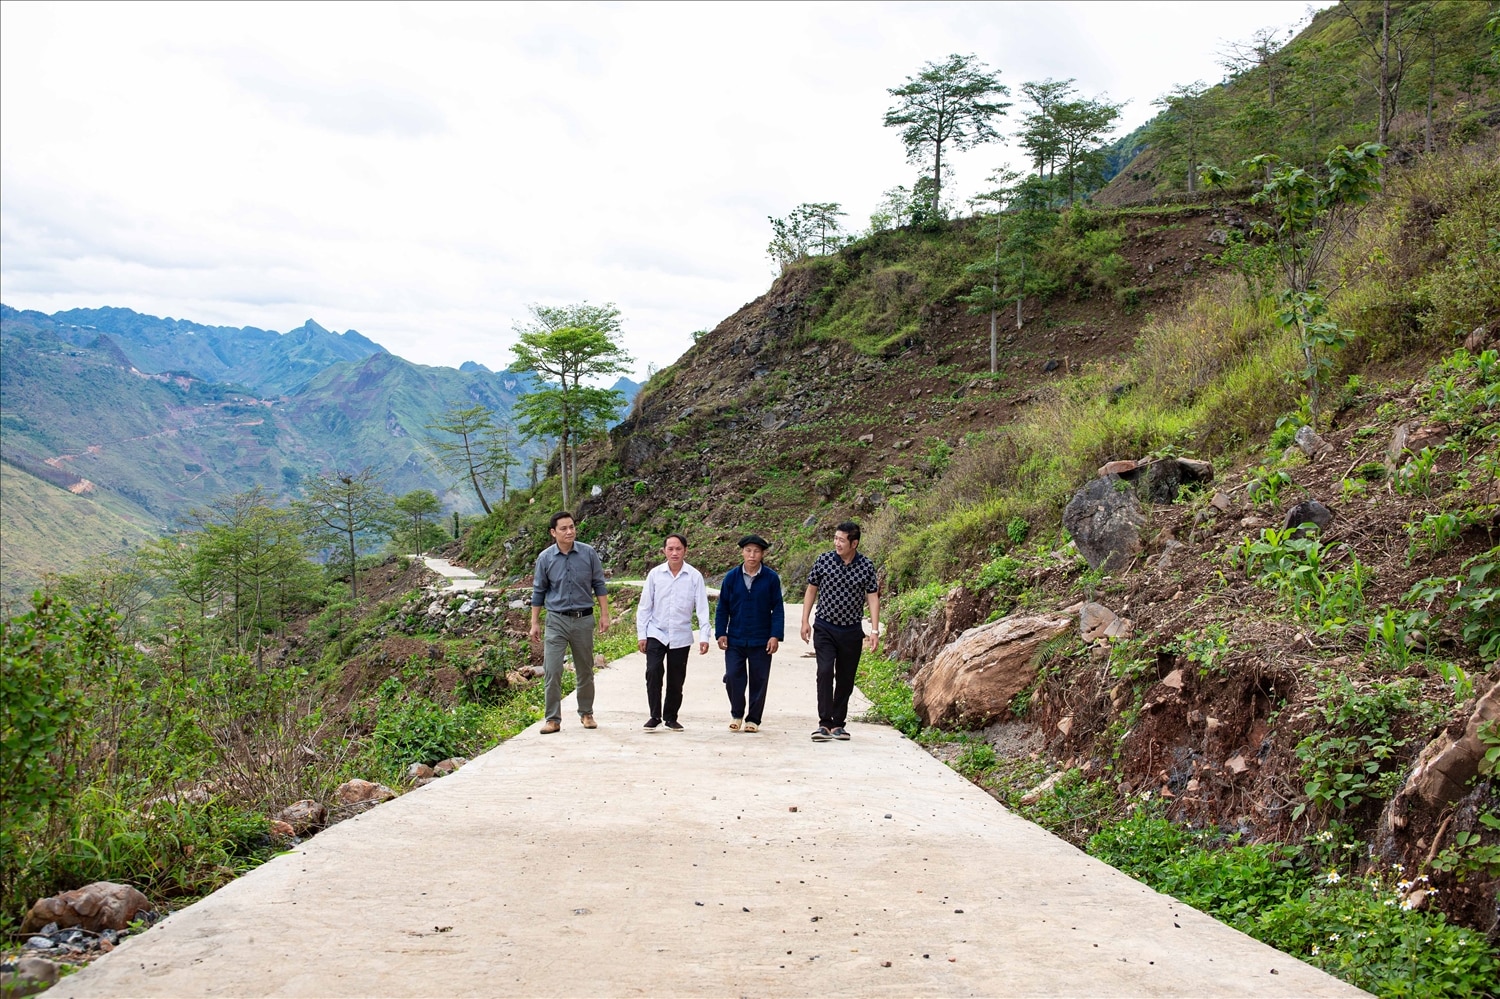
(563, 346)
(953, 103)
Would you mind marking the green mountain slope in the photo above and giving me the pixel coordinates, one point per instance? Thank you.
(1298, 97)
(45, 529)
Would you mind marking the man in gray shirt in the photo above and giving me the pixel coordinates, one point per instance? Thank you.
(568, 577)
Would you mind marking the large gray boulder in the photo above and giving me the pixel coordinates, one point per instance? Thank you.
(1105, 520)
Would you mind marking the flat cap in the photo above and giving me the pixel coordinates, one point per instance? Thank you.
(754, 539)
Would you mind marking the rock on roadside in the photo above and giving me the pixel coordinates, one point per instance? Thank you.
(972, 681)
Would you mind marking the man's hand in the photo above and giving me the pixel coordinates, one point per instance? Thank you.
(641, 645)
(604, 622)
(723, 641)
(806, 631)
(535, 633)
(872, 641)
(703, 648)
(772, 646)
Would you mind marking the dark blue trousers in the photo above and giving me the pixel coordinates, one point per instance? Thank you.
(747, 669)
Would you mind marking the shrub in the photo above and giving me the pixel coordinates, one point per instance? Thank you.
(410, 728)
(883, 681)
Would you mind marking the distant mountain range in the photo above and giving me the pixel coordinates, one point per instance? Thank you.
(109, 417)
(264, 361)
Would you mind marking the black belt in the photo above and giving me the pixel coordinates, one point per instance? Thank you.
(586, 612)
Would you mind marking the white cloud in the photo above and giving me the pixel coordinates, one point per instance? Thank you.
(422, 172)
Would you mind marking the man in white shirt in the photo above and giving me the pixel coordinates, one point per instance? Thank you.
(664, 629)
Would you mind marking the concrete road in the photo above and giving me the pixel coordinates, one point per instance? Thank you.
(617, 862)
(458, 577)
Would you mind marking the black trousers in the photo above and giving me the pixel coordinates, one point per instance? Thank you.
(838, 651)
(672, 662)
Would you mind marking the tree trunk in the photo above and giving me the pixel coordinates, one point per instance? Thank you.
(1431, 90)
(1021, 294)
(937, 177)
(1385, 70)
(353, 557)
(994, 301)
(477, 491)
(562, 465)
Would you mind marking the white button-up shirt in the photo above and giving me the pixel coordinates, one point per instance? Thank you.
(667, 606)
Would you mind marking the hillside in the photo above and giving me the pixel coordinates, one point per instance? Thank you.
(1300, 95)
(857, 387)
(759, 425)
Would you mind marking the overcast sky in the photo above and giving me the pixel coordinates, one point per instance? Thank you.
(421, 173)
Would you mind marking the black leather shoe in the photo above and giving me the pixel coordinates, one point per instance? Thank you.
(674, 726)
(653, 723)
(841, 734)
(821, 735)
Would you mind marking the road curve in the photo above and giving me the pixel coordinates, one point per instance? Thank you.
(617, 862)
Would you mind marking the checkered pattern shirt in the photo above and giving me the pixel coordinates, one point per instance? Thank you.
(842, 587)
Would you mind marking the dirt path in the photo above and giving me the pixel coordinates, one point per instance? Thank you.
(617, 862)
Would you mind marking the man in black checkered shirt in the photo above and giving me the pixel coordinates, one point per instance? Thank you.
(841, 583)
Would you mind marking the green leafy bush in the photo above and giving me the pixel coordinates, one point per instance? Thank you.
(883, 681)
(1359, 930)
(974, 759)
(1353, 758)
(410, 728)
(1471, 598)
(1361, 933)
(1295, 566)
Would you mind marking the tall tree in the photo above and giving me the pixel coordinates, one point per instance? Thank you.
(1181, 131)
(952, 103)
(1082, 125)
(1262, 51)
(500, 456)
(563, 346)
(345, 509)
(1040, 135)
(421, 506)
(827, 235)
(1019, 219)
(1386, 33)
(465, 451)
(1308, 211)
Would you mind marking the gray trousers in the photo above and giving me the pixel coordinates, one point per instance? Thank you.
(563, 633)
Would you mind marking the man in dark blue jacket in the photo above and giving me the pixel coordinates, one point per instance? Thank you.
(749, 624)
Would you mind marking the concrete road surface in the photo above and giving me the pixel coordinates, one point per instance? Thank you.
(618, 862)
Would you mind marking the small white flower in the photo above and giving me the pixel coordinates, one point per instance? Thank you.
(1333, 938)
(1333, 877)
(1315, 950)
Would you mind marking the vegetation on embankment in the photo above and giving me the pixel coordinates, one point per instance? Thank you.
(153, 748)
